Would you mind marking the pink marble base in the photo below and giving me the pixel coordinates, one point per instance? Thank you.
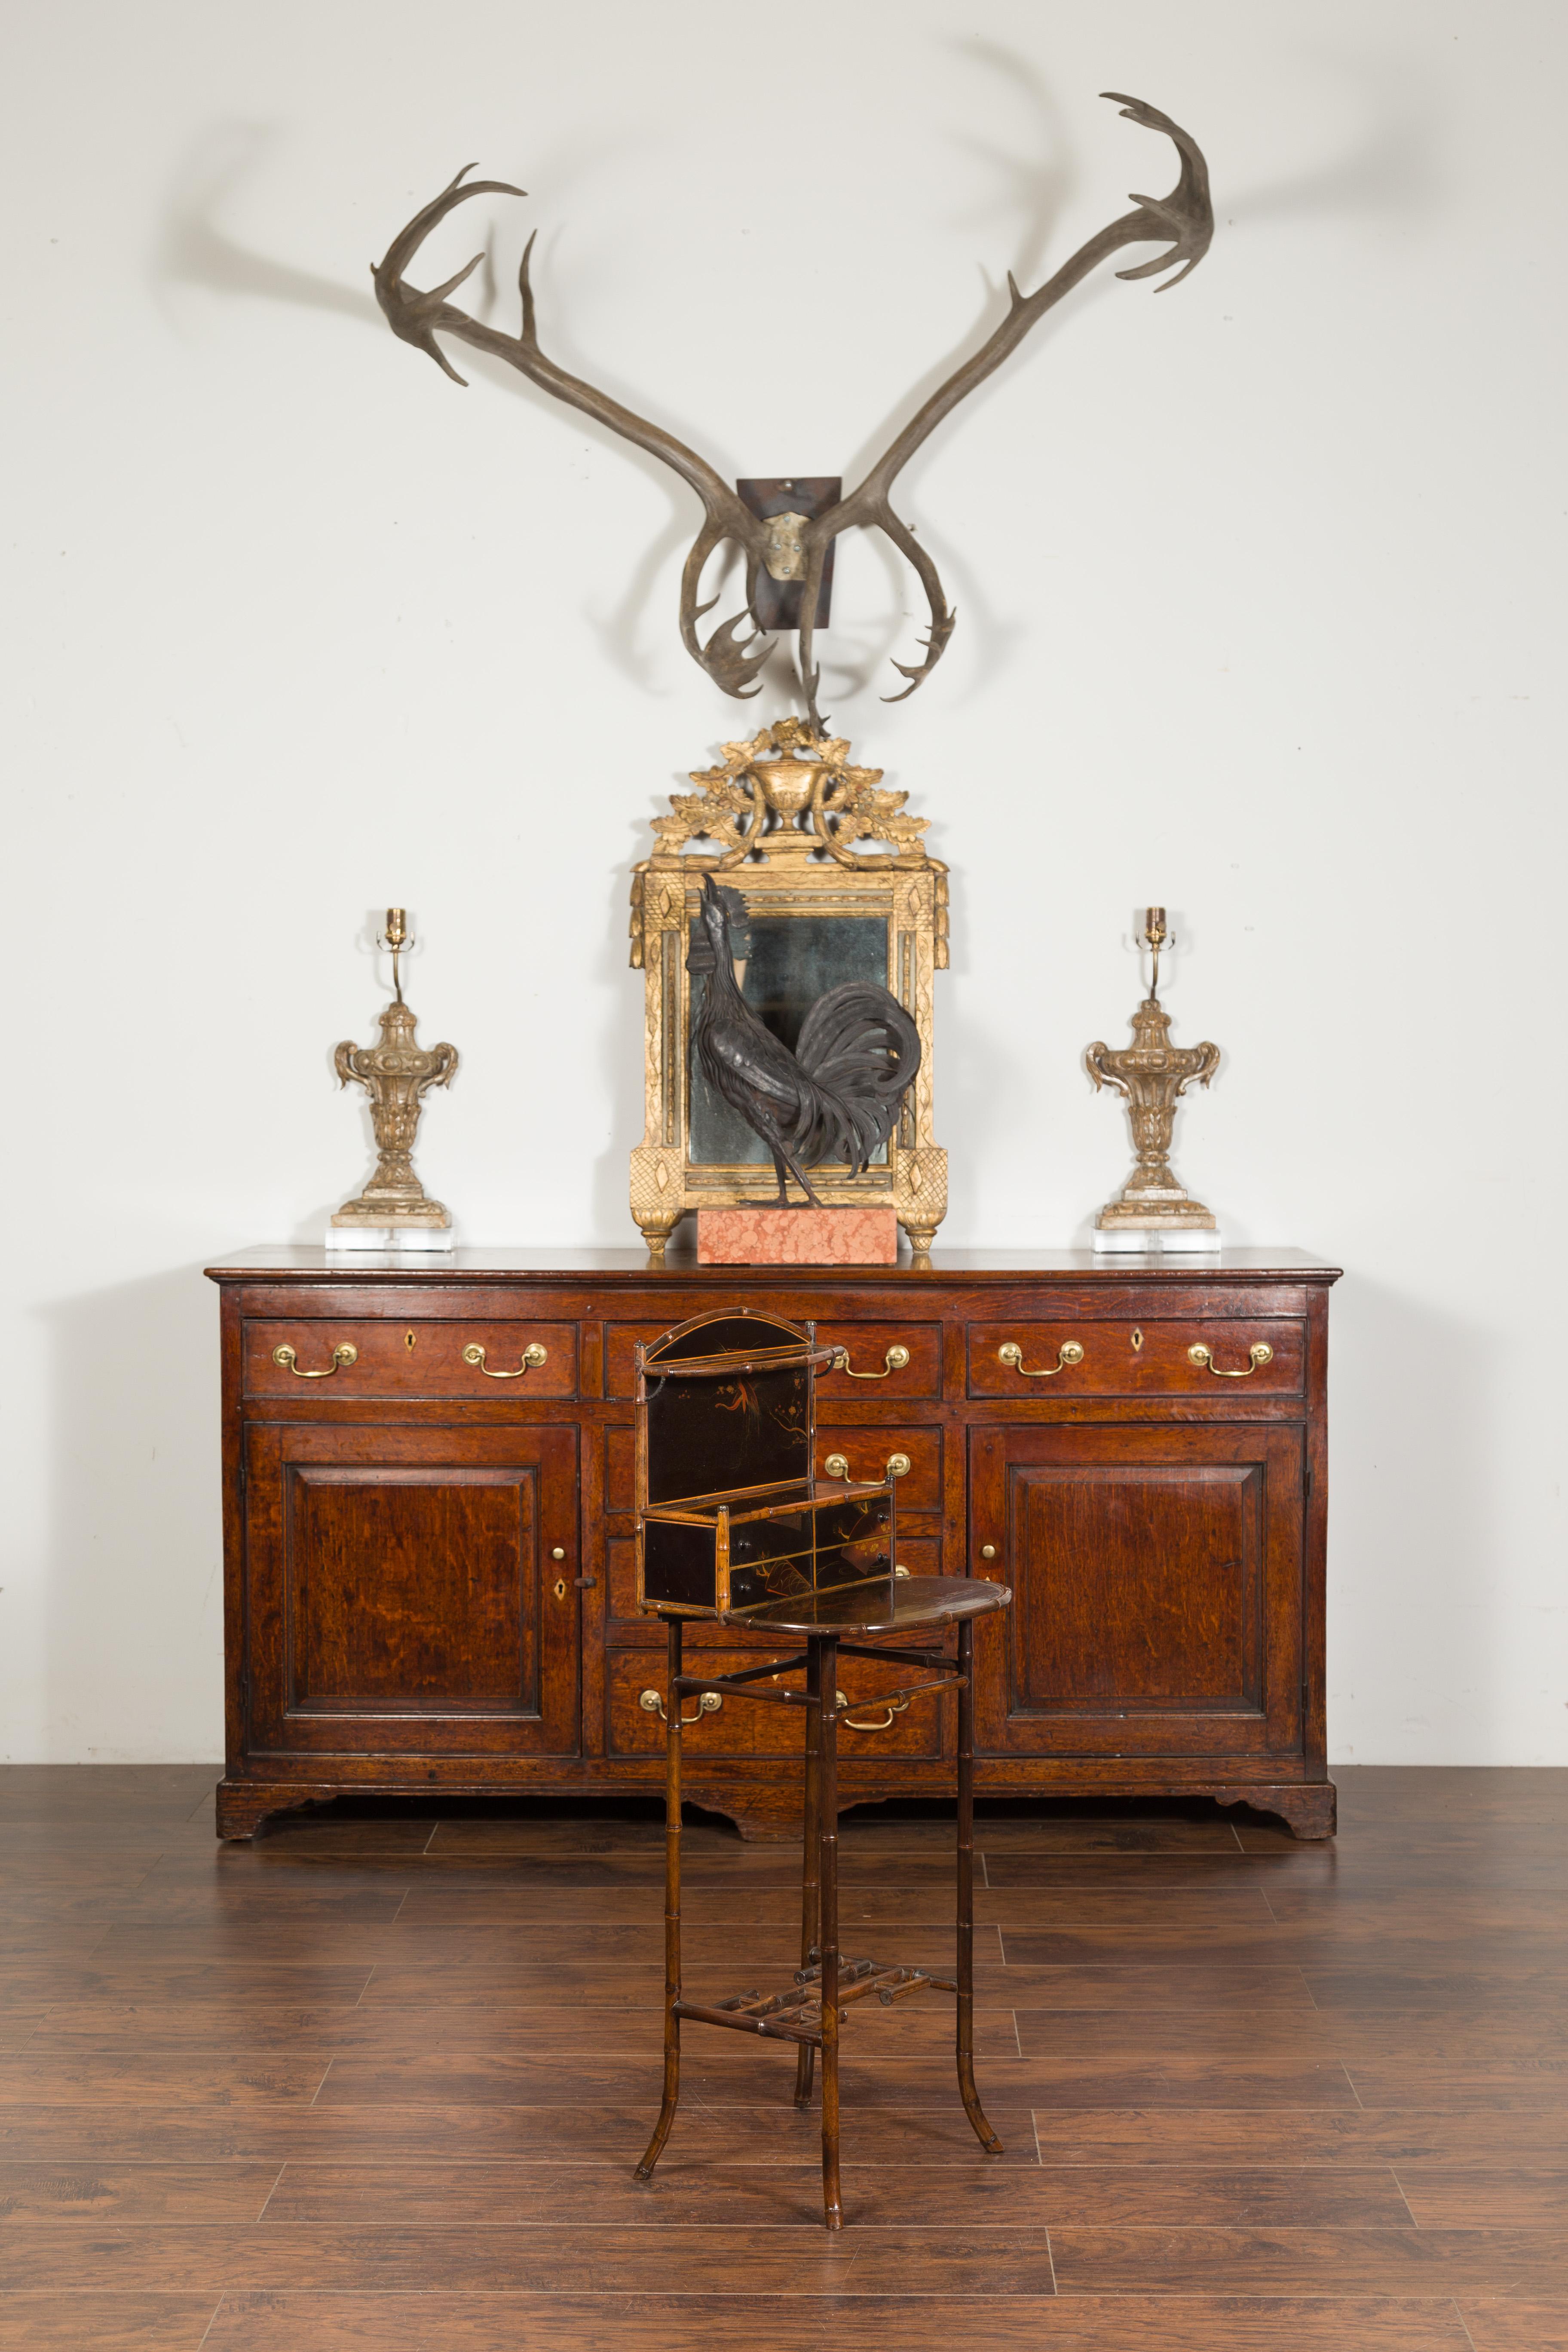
(797, 1237)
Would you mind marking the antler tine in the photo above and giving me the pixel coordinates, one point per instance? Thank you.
(1184, 217)
(416, 317)
(411, 314)
(810, 589)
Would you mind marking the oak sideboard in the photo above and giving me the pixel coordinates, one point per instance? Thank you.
(428, 1491)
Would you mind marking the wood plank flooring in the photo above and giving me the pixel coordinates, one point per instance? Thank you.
(377, 2083)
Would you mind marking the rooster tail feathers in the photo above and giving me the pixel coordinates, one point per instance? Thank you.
(860, 1051)
(861, 1035)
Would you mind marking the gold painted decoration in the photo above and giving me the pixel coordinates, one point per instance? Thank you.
(1153, 1075)
(396, 1075)
(839, 884)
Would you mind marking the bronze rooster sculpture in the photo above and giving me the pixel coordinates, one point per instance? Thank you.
(836, 1096)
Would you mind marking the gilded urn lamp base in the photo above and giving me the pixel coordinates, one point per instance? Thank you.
(369, 1224)
(1152, 1210)
(395, 1211)
(1126, 1224)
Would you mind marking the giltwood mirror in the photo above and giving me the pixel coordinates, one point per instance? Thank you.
(838, 886)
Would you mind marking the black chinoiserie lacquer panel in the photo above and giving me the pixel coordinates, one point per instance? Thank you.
(730, 1516)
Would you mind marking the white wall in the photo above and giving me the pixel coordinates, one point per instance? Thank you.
(1259, 594)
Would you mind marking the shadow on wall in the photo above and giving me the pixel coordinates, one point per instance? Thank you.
(194, 250)
(134, 1557)
(1414, 1449)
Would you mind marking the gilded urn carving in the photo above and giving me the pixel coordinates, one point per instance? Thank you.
(396, 1075)
(1153, 1075)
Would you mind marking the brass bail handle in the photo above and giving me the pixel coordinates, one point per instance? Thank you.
(894, 1707)
(709, 1703)
(1260, 1352)
(896, 1357)
(898, 1465)
(1068, 1354)
(533, 1355)
(345, 1354)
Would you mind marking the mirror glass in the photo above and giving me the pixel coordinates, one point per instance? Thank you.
(794, 960)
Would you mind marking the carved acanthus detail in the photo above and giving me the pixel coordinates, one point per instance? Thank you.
(786, 793)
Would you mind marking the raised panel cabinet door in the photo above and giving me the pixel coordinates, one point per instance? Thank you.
(1157, 1591)
(412, 1591)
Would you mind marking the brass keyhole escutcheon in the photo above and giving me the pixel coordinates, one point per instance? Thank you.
(408, 1339)
(560, 1587)
(1137, 1338)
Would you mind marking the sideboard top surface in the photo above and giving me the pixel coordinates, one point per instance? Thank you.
(300, 1261)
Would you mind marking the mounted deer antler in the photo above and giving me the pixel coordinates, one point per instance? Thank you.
(1183, 218)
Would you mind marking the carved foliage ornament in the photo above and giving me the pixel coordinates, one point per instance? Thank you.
(805, 797)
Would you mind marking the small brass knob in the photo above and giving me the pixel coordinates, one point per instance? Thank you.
(558, 1551)
(987, 1551)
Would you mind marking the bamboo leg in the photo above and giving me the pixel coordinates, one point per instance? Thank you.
(965, 1972)
(671, 1910)
(810, 1868)
(824, 1651)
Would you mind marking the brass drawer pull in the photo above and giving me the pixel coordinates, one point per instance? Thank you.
(533, 1355)
(345, 1353)
(1260, 1352)
(707, 1703)
(898, 1465)
(1067, 1354)
(894, 1360)
(894, 1707)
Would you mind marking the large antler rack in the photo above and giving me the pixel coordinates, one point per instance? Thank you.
(737, 649)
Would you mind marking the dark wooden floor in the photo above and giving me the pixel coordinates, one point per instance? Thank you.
(377, 2085)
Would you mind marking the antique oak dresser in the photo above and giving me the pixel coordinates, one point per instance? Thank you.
(430, 1484)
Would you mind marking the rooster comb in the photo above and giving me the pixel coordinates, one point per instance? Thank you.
(734, 904)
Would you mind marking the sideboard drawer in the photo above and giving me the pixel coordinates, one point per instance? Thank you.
(872, 1730)
(869, 1449)
(868, 1345)
(869, 1373)
(412, 1357)
(1144, 1359)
